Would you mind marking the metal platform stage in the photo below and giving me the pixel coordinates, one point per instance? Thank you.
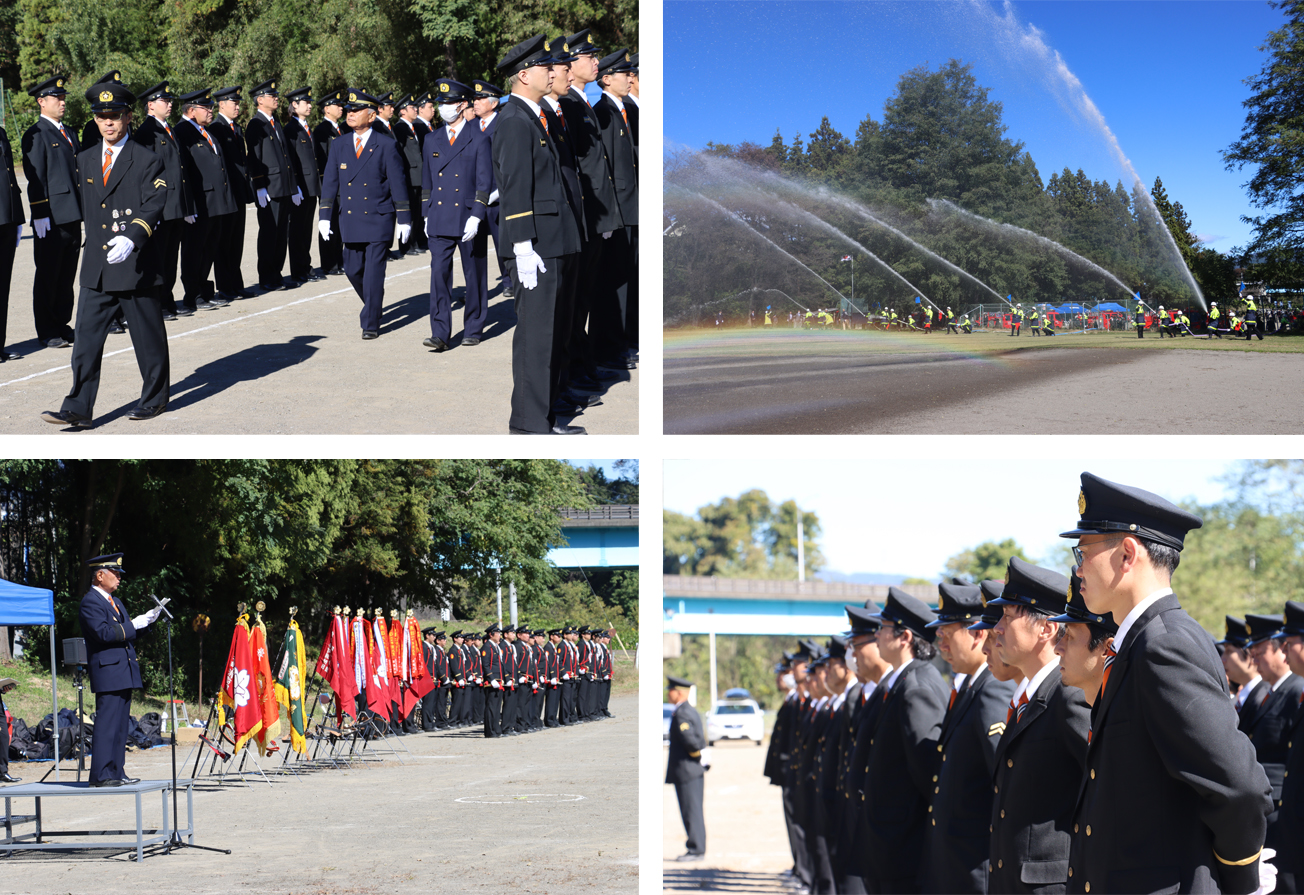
(37, 840)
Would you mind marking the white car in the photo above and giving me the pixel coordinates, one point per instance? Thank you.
(735, 719)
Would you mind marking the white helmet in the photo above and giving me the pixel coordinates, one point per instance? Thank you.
(1213, 304)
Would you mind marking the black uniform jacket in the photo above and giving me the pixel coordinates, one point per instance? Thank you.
(624, 161)
(776, 754)
(303, 156)
(231, 138)
(1290, 807)
(110, 642)
(1039, 763)
(155, 138)
(601, 211)
(50, 163)
(491, 662)
(687, 739)
(381, 127)
(420, 129)
(206, 171)
(902, 761)
(1173, 791)
(456, 665)
(958, 834)
(410, 148)
(561, 141)
(322, 135)
(531, 197)
(132, 202)
(270, 167)
(1249, 707)
(11, 198)
(631, 109)
(1268, 727)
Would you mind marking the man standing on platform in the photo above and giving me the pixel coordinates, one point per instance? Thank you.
(330, 251)
(456, 173)
(123, 190)
(306, 177)
(50, 164)
(367, 160)
(111, 656)
(230, 248)
(684, 768)
(216, 208)
(272, 175)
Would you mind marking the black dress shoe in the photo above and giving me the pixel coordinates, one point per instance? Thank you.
(9, 355)
(169, 315)
(106, 783)
(248, 292)
(127, 781)
(58, 342)
(581, 400)
(116, 328)
(146, 413)
(223, 297)
(564, 409)
(619, 364)
(218, 301)
(438, 344)
(368, 335)
(8, 778)
(467, 343)
(270, 287)
(183, 311)
(66, 418)
(335, 271)
(203, 304)
(560, 429)
(315, 277)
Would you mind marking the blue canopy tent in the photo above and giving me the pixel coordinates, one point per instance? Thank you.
(1109, 306)
(22, 605)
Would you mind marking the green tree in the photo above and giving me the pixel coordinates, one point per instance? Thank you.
(827, 149)
(1272, 141)
(744, 537)
(988, 560)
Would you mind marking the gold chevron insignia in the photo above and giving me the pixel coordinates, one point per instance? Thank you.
(998, 727)
(106, 96)
(160, 182)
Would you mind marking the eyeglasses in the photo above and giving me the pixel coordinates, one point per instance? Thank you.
(109, 116)
(1077, 550)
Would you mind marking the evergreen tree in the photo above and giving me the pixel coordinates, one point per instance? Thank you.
(828, 149)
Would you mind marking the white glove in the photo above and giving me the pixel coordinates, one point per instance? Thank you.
(41, 226)
(120, 249)
(297, 197)
(565, 677)
(262, 198)
(607, 235)
(191, 218)
(1267, 873)
(528, 264)
(472, 228)
(497, 686)
(522, 679)
(324, 228)
(493, 197)
(147, 619)
(404, 231)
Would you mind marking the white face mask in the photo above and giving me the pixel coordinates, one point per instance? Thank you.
(448, 112)
(789, 681)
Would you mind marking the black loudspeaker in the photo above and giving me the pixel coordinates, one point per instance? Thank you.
(74, 651)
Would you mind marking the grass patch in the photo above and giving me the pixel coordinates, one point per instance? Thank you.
(31, 701)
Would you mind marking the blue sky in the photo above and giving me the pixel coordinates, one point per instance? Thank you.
(896, 517)
(1165, 76)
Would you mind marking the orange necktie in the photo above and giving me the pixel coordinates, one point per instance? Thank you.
(952, 702)
(561, 117)
(543, 121)
(623, 115)
(1110, 654)
(483, 124)
(168, 129)
(1009, 714)
(451, 136)
(357, 146)
(1023, 704)
(108, 164)
(65, 135)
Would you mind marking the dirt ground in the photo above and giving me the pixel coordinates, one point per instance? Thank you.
(794, 382)
(294, 362)
(746, 842)
(451, 814)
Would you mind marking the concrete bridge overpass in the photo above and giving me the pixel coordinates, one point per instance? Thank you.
(603, 537)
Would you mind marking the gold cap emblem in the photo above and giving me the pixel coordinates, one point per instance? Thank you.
(565, 47)
(273, 85)
(443, 88)
(352, 96)
(627, 55)
(1068, 594)
(1082, 502)
(117, 77)
(106, 97)
(58, 83)
(1247, 628)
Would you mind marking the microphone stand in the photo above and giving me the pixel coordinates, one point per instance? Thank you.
(175, 841)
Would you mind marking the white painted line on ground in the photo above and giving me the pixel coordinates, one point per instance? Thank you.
(220, 323)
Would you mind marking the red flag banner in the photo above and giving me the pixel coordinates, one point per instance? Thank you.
(377, 676)
(240, 687)
(268, 707)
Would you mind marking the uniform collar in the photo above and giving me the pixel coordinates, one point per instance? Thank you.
(1121, 637)
(1040, 676)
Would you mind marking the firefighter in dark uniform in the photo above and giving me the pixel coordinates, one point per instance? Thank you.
(684, 768)
(111, 661)
(456, 173)
(1173, 798)
(491, 670)
(1268, 724)
(1140, 321)
(957, 831)
(271, 174)
(216, 207)
(1083, 643)
(123, 190)
(366, 160)
(457, 681)
(1290, 807)
(1253, 325)
(538, 231)
(552, 658)
(11, 233)
(90, 131)
(384, 112)
(230, 250)
(303, 158)
(410, 148)
(510, 671)
(1041, 755)
(155, 133)
(601, 211)
(619, 320)
(421, 128)
(474, 641)
(485, 106)
(330, 251)
(50, 165)
(903, 756)
(433, 716)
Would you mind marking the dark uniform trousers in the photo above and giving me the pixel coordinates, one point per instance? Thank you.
(199, 251)
(8, 248)
(1290, 811)
(230, 251)
(144, 313)
(273, 237)
(533, 347)
(168, 236)
(457, 708)
(364, 265)
(302, 226)
(609, 316)
(568, 715)
(493, 712)
(475, 269)
(477, 705)
(551, 705)
(434, 709)
(685, 771)
(49, 161)
(1173, 777)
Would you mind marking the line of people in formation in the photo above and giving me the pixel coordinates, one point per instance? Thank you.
(552, 177)
(1088, 739)
(514, 680)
